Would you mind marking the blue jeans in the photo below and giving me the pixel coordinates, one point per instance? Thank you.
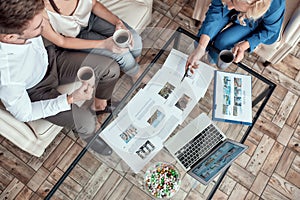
(99, 29)
(227, 38)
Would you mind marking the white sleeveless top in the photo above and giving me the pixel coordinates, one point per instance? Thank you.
(70, 25)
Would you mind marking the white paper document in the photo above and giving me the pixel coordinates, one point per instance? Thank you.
(197, 82)
(138, 132)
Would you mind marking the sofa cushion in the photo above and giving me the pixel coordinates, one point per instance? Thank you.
(41, 127)
(136, 13)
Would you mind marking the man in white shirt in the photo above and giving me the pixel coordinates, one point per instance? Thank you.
(29, 74)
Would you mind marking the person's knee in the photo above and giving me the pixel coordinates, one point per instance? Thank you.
(222, 43)
(106, 67)
(133, 71)
(85, 129)
(127, 62)
(84, 121)
(138, 45)
(114, 70)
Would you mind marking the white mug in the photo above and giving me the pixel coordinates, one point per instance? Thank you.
(122, 38)
(86, 74)
(225, 58)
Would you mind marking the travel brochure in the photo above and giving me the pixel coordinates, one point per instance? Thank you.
(140, 129)
(233, 101)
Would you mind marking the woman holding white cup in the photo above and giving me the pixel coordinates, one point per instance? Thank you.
(87, 25)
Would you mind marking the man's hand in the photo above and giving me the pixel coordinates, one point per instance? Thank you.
(239, 50)
(85, 92)
(195, 56)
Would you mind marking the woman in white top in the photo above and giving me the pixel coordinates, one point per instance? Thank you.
(87, 25)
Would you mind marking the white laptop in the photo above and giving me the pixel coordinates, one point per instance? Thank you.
(203, 150)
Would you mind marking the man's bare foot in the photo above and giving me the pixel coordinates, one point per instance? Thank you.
(99, 104)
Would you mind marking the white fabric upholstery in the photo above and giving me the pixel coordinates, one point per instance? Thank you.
(289, 36)
(136, 13)
(35, 136)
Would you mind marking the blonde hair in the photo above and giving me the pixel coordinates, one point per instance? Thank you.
(256, 9)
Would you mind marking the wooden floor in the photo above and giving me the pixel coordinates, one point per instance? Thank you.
(270, 169)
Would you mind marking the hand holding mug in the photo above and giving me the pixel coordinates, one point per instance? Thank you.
(239, 50)
(86, 74)
(85, 92)
(225, 58)
(122, 38)
(113, 47)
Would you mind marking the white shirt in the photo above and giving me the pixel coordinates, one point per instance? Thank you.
(71, 25)
(21, 68)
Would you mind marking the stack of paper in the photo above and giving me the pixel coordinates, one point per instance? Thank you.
(140, 129)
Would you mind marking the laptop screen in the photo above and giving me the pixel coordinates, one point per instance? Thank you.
(217, 161)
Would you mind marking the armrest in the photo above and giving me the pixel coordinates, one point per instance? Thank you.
(148, 2)
(136, 13)
(291, 32)
(13, 129)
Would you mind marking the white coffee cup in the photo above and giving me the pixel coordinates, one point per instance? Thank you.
(86, 74)
(225, 58)
(122, 38)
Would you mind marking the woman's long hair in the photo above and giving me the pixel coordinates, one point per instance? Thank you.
(257, 8)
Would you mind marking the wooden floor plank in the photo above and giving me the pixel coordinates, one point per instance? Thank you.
(135, 193)
(38, 178)
(260, 154)
(239, 192)
(260, 183)
(272, 159)
(269, 169)
(15, 166)
(58, 154)
(12, 190)
(109, 186)
(272, 194)
(95, 183)
(285, 109)
(283, 186)
(25, 193)
(5, 178)
(121, 190)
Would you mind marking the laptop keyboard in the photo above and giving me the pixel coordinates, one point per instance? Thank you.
(199, 146)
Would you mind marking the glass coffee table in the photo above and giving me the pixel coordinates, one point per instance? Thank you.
(111, 178)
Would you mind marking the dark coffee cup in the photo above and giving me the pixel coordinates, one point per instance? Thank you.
(226, 57)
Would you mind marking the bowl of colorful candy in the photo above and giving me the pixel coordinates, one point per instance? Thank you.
(162, 180)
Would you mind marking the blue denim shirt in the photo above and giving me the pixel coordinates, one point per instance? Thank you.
(265, 30)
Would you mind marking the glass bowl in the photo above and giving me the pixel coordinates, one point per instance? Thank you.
(162, 180)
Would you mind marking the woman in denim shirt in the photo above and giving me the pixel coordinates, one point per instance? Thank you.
(254, 22)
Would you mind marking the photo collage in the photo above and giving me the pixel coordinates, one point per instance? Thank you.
(182, 102)
(232, 97)
(234, 109)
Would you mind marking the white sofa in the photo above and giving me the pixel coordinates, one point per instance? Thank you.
(35, 136)
(289, 35)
